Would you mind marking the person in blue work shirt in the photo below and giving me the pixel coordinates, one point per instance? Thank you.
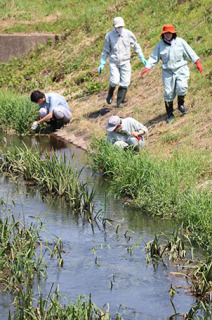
(53, 109)
(117, 47)
(125, 132)
(173, 52)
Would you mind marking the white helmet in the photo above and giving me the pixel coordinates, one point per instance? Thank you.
(118, 22)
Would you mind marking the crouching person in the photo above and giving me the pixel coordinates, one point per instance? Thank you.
(53, 109)
(125, 132)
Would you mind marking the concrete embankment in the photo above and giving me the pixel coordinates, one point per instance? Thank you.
(15, 45)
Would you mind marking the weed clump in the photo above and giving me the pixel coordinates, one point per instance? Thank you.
(17, 112)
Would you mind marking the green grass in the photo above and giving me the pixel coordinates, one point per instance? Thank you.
(52, 15)
(51, 308)
(160, 187)
(84, 25)
(17, 112)
(53, 174)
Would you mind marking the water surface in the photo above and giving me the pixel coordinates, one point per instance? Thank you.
(96, 260)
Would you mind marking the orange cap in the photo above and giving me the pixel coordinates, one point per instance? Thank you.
(168, 28)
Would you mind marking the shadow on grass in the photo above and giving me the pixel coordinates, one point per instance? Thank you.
(99, 113)
(153, 121)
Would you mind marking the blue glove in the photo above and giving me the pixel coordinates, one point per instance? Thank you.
(102, 64)
(143, 60)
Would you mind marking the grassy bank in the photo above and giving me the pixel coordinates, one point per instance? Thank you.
(70, 66)
(175, 187)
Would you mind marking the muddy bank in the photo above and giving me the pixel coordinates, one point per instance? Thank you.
(72, 138)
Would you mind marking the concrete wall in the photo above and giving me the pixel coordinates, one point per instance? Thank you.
(15, 45)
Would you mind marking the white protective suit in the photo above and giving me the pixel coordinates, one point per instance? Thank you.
(117, 47)
(175, 71)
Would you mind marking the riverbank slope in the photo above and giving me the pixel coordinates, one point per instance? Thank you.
(70, 67)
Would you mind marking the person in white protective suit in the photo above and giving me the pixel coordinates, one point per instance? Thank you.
(125, 132)
(117, 47)
(173, 52)
(53, 109)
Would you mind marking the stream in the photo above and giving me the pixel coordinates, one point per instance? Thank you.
(96, 260)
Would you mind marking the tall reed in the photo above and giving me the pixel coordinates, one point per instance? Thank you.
(52, 173)
(17, 112)
(52, 308)
(22, 253)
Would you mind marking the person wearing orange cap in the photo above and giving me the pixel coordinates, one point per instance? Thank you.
(173, 52)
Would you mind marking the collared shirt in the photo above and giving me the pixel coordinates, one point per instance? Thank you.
(173, 56)
(128, 125)
(54, 100)
(117, 47)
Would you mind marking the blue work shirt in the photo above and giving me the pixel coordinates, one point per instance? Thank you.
(54, 100)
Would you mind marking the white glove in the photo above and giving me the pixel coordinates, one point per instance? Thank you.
(34, 125)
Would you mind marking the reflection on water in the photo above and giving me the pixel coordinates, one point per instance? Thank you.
(97, 261)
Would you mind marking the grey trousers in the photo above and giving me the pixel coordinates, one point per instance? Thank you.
(59, 113)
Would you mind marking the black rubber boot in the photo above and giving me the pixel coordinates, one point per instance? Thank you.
(181, 100)
(55, 124)
(169, 110)
(121, 96)
(110, 94)
(52, 127)
(60, 123)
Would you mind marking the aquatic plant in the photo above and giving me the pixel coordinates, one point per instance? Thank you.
(52, 307)
(201, 311)
(197, 273)
(160, 187)
(22, 253)
(18, 247)
(161, 247)
(52, 173)
(22, 259)
(200, 276)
